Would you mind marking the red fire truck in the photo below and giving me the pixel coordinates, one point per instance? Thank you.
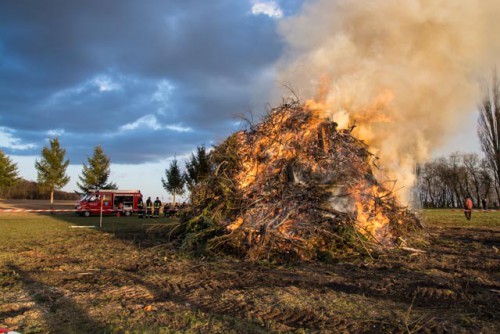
(109, 202)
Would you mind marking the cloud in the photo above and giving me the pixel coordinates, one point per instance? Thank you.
(178, 128)
(99, 84)
(152, 123)
(9, 141)
(148, 121)
(153, 81)
(269, 8)
(55, 132)
(105, 84)
(163, 96)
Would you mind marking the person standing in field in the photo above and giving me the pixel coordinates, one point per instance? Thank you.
(140, 207)
(468, 208)
(157, 206)
(149, 208)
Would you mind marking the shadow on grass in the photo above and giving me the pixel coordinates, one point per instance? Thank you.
(145, 232)
(14, 313)
(61, 313)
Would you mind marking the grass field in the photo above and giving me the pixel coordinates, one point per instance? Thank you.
(448, 218)
(123, 278)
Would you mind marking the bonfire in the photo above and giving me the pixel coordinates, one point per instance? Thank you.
(296, 186)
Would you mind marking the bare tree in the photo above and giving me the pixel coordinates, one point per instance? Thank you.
(486, 179)
(489, 127)
(446, 181)
(471, 162)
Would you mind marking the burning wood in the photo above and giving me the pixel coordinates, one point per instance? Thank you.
(295, 185)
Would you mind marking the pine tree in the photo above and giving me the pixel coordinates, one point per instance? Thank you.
(96, 174)
(197, 168)
(52, 168)
(8, 171)
(174, 183)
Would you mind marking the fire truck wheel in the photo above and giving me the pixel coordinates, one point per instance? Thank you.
(86, 213)
(127, 213)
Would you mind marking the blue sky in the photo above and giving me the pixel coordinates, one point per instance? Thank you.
(147, 80)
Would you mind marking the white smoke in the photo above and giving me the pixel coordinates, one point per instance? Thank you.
(406, 71)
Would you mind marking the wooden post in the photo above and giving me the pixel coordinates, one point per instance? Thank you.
(100, 215)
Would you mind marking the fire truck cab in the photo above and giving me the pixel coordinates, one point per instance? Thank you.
(109, 202)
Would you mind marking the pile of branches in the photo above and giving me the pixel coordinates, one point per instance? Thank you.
(293, 187)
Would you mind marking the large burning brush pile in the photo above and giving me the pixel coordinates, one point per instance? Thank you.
(295, 186)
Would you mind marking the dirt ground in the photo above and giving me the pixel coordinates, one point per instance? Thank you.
(85, 281)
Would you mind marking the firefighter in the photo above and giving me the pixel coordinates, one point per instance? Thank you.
(140, 208)
(166, 209)
(157, 206)
(149, 208)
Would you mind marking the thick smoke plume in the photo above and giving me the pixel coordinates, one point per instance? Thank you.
(405, 72)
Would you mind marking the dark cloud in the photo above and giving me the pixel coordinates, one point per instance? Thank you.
(86, 69)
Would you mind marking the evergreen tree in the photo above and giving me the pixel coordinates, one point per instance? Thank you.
(96, 174)
(52, 168)
(197, 168)
(174, 183)
(8, 171)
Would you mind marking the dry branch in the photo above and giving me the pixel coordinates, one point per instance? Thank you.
(295, 186)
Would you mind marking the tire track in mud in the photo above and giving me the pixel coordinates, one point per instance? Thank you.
(400, 290)
(235, 292)
(209, 295)
(130, 292)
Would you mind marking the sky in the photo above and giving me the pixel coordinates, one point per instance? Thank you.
(147, 80)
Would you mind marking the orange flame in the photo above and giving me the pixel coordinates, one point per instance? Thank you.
(280, 141)
(370, 219)
(277, 145)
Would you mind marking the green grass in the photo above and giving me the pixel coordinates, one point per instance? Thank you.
(456, 218)
(18, 229)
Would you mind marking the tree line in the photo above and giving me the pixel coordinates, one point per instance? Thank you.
(25, 189)
(51, 175)
(446, 182)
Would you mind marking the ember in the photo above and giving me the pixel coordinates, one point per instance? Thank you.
(296, 186)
